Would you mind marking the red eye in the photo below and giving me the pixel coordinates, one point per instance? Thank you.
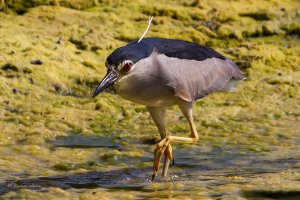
(127, 67)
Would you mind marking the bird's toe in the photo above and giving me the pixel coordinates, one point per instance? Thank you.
(163, 147)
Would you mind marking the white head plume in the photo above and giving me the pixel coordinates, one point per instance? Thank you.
(149, 23)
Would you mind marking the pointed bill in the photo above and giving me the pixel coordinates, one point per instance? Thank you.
(107, 81)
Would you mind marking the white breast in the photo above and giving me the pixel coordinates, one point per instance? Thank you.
(144, 85)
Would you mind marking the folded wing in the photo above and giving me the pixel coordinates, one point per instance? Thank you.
(192, 80)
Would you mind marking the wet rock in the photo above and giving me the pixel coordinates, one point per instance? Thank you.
(9, 66)
(36, 62)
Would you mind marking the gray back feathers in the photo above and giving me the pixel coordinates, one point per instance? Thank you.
(192, 80)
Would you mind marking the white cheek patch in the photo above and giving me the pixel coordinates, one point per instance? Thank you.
(133, 67)
(121, 65)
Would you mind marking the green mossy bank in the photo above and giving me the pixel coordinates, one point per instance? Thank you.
(52, 57)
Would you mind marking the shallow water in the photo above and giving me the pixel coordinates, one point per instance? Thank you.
(200, 171)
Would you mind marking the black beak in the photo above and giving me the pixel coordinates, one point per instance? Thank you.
(108, 80)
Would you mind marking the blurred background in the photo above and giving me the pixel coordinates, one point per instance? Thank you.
(58, 143)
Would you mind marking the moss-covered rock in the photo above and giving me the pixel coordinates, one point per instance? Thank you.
(22, 6)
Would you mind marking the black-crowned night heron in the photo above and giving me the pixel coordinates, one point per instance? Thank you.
(159, 72)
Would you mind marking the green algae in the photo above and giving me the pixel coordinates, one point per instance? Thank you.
(21, 6)
(43, 103)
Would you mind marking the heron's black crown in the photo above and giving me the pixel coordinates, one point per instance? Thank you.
(135, 51)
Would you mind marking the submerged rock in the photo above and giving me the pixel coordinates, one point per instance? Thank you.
(9, 66)
(36, 62)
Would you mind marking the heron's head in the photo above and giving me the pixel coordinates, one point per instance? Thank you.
(121, 63)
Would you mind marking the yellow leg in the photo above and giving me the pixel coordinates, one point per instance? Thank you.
(164, 146)
(157, 114)
(168, 158)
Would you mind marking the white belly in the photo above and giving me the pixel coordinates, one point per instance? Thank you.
(147, 93)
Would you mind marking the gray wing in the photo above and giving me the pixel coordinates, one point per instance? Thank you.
(192, 80)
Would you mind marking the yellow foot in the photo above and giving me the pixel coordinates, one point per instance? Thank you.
(163, 147)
